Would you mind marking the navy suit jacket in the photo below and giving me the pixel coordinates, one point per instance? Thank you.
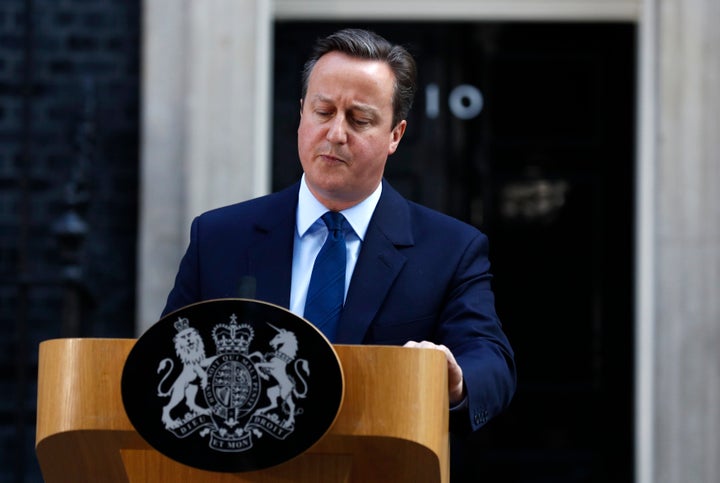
(420, 275)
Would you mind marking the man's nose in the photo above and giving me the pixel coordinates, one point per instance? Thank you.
(337, 132)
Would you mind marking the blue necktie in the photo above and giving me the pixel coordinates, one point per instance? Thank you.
(326, 292)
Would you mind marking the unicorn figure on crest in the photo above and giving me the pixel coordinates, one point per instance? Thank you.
(284, 393)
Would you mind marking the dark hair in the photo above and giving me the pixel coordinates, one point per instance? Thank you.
(369, 45)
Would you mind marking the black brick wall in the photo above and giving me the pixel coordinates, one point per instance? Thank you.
(69, 102)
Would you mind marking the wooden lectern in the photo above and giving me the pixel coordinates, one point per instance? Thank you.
(392, 426)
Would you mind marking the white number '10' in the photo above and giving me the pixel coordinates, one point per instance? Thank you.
(465, 101)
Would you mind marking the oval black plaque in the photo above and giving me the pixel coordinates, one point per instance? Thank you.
(232, 385)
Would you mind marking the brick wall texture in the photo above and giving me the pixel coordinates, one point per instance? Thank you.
(69, 102)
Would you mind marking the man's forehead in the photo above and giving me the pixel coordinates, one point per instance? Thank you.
(362, 87)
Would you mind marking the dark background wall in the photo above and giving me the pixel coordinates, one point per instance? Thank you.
(69, 98)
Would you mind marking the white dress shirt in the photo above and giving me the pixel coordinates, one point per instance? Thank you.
(310, 235)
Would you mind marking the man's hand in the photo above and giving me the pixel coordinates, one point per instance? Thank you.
(456, 388)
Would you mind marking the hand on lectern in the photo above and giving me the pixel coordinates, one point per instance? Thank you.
(456, 388)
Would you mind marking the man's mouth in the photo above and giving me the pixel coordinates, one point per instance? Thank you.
(331, 158)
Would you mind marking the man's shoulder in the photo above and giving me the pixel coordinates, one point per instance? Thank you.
(402, 220)
(267, 206)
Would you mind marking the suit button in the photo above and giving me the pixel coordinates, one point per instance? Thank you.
(480, 417)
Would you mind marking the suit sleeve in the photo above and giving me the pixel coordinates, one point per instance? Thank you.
(471, 329)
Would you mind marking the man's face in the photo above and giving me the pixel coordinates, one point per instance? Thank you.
(346, 133)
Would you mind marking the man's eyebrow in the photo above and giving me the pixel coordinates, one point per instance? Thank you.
(365, 109)
(357, 106)
(320, 98)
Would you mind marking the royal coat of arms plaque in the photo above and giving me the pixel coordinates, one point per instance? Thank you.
(232, 385)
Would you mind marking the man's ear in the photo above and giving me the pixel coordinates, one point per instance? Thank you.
(396, 135)
(301, 106)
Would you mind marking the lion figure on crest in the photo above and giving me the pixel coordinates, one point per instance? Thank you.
(190, 349)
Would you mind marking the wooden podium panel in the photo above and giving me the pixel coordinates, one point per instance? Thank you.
(393, 425)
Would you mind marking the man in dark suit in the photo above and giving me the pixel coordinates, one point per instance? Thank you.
(414, 277)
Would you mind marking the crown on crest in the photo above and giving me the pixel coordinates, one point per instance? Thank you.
(232, 338)
(181, 324)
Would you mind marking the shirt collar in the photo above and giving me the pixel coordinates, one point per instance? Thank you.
(310, 209)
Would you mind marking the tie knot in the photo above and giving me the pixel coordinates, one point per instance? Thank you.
(334, 221)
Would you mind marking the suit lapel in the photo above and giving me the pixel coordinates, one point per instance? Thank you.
(378, 265)
(272, 251)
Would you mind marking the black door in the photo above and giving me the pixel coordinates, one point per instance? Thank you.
(525, 130)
